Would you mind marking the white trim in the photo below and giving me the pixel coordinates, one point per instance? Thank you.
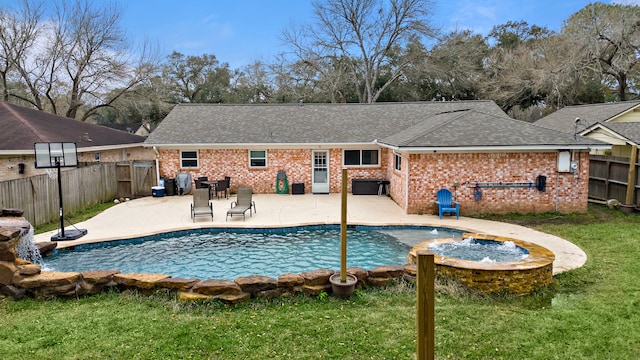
(607, 130)
(197, 158)
(89, 149)
(370, 146)
(313, 146)
(475, 149)
(266, 159)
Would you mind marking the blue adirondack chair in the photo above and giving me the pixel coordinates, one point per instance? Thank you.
(446, 204)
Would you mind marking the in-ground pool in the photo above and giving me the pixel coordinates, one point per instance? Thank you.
(227, 254)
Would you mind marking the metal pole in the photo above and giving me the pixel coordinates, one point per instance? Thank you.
(425, 314)
(343, 229)
(60, 200)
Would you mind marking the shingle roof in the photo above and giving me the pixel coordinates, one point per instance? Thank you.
(628, 130)
(463, 123)
(22, 127)
(473, 128)
(564, 119)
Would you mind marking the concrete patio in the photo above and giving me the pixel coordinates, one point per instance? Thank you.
(153, 215)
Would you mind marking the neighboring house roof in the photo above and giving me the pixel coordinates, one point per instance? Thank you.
(22, 127)
(626, 130)
(142, 129)
(130, 128)
(453, 124)
(565, 118)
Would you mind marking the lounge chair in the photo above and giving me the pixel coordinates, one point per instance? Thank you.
(446, 204)
(201, 204)
(243, 204)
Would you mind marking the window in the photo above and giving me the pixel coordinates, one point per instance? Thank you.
(96, 157)
(189, 159)
(398, 162)
(257, 158)
(360, 157)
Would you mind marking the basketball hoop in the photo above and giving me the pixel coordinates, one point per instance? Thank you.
(52, 157)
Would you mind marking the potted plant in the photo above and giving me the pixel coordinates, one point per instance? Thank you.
(343, 284)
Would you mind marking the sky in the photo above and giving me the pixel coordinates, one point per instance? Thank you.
(240, 32)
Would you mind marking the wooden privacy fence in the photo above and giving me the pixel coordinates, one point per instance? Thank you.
(82, 187)
(609, 179)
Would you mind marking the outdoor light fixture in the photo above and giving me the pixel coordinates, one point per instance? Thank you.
(59, 155)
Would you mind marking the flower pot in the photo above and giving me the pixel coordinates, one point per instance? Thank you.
(340, 288)
(627, 208)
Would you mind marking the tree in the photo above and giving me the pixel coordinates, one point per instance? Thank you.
(608, 39)
(196, 79)
(252, 84)
(513, 33)
(78, 61)
(18, 33)
(368, 36)
(456, 65)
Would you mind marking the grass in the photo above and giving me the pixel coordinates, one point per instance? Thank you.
(74, 218)
(592, 313)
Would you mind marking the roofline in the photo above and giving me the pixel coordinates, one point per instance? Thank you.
(79, 149)
(612, 132)
(623, 112)
(261, 145)
(449, 149)
(376, 143)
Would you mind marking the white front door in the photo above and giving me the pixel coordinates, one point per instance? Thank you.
(320, 172)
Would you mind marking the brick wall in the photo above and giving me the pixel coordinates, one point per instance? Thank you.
(415, 185)
(297, 164)
(430, 172)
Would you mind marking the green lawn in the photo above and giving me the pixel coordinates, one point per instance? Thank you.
(593, 314)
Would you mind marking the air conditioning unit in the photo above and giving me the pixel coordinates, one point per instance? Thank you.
(573, 167)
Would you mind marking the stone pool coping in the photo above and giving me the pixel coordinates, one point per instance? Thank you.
(151, 216)
(538, 255)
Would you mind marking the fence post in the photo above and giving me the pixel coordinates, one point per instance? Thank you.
(631, 177)
(425, 314)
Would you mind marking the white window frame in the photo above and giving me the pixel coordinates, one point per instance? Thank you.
(360, 158)
(397, 162)
(183, 159)
(251, 158)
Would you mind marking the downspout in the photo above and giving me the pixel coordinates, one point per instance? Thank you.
(406, 185)
(155, 151)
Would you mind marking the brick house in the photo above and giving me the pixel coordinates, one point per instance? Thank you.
(491, 162)
(22, 127)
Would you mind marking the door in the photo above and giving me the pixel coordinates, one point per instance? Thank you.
(320, 174)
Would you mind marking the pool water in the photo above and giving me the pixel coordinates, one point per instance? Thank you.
(226, 255)
(480, 250)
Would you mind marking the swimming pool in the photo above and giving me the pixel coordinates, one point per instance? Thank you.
(227, 254)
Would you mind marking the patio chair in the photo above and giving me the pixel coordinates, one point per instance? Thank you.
(446, 204)
(221, 188)
(243, 204)
(200, 182)
(201, 204)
